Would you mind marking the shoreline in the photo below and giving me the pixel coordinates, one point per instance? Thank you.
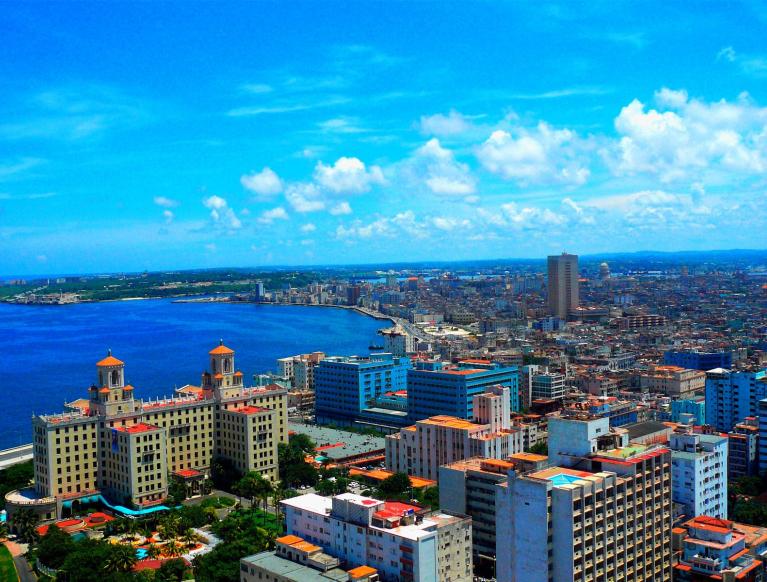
(360, 310)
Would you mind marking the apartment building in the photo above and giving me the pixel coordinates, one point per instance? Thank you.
(438, 389)
(419, 450)
(673, 381)
(743, 449)
(732, 395)
(547, 386)
(607, 516)
(713, 549)
(468, 487)
(296, 560)
(699, 472)
(395, 538)
(345, 386)
(124, 448)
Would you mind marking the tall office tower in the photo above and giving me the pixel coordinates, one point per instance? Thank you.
(563, 284)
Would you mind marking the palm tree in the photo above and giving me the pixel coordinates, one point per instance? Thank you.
(25, 522)
(120, 559)
(173, 549)
(3, 530)
(153, 551)
(264, 490)
(189, 537)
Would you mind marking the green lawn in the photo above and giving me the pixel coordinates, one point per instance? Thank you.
(7, 569)
(268, 521)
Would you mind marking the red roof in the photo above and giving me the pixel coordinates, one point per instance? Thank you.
(250, 410)
(187, 473)
(137, 428)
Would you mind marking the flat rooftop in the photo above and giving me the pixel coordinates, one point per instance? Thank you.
(338, 444)
(288, 570)
(560, 476)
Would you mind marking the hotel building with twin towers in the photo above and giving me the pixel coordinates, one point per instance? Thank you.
(126, 449)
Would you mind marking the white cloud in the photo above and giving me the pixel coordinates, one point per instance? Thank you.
(308, 227)
(542, 155)
(269, 216)
(348, 176)
(166, 202)
(402, 223)
(752, 65)
(341, 125)
(454, 123)
(341, 208)
(441, 173)
(686, 138)
(221, 214)
(449, 223)
(265, 183)
(304, 197)
(168, 215)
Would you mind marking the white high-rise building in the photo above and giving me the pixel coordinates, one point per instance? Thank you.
(563, 284)
(394, 538)
(607, 518)
(699, 471)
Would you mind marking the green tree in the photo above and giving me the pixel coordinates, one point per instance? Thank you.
(171, 571)
(395, 485)
(301, 473)
(173, 549)
(15, 477)
(176, 491)
(24, 523)
(153, 551)
(121, 558)
(223, 473)
(223, 563)
(541, 448)
(54, 547)
(189, 538)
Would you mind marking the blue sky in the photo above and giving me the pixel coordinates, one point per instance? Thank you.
(154, 136)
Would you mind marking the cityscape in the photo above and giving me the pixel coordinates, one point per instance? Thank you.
(525, 340)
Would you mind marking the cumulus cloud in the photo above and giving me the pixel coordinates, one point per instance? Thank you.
(265, 183)
(168, 215)
(402, 223)
(541, 155)
(441, 172)
(687, 138)
(304, 197)
(450, 223)
(221, 214)
(341, 208)
(348, 176)
(269, 216)
(308, 227)
(453, 123)
(165, 202)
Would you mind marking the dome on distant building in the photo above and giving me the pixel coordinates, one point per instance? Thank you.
(604, 271)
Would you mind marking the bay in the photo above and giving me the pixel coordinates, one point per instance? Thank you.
(48, 354)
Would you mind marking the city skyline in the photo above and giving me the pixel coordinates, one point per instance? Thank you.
(362, 134)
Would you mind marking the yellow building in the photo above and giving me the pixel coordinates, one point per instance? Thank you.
(127, 449)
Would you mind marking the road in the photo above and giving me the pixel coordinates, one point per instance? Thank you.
(26, 574)
(15, 456)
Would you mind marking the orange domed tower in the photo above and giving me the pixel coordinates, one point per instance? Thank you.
(111, 395)
(223, 380)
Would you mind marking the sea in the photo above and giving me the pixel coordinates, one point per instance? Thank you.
(48, 354)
